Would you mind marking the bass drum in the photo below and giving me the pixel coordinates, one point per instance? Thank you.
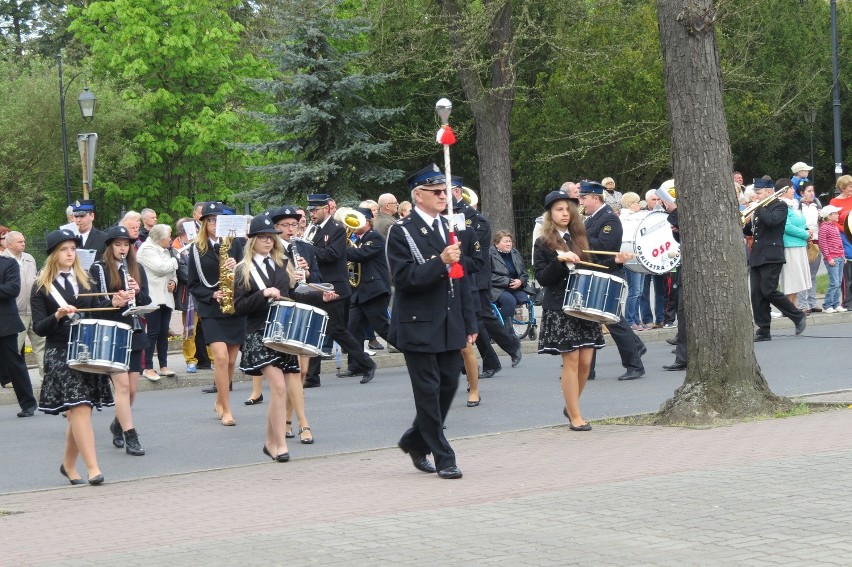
(651, 239)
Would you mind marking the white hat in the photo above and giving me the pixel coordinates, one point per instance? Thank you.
(800, 166)
(828, 209)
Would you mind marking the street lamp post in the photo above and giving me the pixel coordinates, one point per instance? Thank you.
(810, 120)
(86, 100)
(838, 156)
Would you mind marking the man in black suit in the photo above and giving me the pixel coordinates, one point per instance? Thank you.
(84, 217)
(433, 319)
(489, 326)
(286, 220)
(15, 368)
(370, 298)
(603, 228)
(329, 245)
(766, 259)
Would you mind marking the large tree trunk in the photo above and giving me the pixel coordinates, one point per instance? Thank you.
(490, 92)
(723, 379)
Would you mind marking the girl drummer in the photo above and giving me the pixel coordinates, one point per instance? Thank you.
(223, 332)
(130, 289)
(54, 303)
(562, 241)
(261, 278)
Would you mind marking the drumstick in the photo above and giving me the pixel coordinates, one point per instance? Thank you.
(602, 252)
(592, 264)
(99, 309)
(96, 294)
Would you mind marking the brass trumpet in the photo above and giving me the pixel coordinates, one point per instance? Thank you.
(352, 220)
(746, 214)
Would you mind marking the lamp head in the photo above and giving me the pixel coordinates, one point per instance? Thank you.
(444, 107)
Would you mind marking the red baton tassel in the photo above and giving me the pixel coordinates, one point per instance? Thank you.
(446, 136)
(456, 269)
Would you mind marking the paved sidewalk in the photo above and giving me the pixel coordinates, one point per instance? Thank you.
(763, 493)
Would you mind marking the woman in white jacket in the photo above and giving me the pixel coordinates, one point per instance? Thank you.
(156, 256)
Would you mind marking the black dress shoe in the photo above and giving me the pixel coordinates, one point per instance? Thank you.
(29, 412)
(631, 375)
(761, 338)
(200, 366)
(212, 389)
(801, 324)
(348, 374)
(450, 472)
(98, 479)
(584, 427)
(421, 462)
(311, 383)
(474, 404)
(675, 366)
(74, 481)
(371, 373)
(516, 358)
(117, 434)
(672, 341)
(254, 401)
(489, 373)
(375, 345)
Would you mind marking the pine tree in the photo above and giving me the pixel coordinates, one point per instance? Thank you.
(327, 135)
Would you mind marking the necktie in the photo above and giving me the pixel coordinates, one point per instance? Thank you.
(269, 270)
(567, 238)
(436, 228)
(69, 289)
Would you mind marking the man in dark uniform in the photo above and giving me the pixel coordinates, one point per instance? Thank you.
(680, 362)
(433, 319)
(603, 228)
(286, 220)
(765, 262)
(84, 217)
(15, 369)
(370, 298)
(489, 326)
(329, 243)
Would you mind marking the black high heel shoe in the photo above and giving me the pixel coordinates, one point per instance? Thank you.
(74, 481)
(571, 426)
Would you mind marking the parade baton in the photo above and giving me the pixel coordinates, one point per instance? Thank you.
(447, 138)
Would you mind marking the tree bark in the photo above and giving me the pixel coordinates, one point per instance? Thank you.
(490, 92)
(723, 379)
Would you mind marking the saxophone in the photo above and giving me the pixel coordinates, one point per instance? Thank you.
(226, 278)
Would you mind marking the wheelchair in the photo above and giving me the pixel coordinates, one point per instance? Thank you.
(523, 320)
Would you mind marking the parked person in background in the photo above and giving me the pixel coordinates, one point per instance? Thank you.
(149, 219)
(161, 266)
(795, 274)
(611, 196)
(15, 246)
(388, 207)
(810, 207)
(831, 247)
(655, 319)
(509, 279)
(844, 202)
(631, 213)
(404, 209)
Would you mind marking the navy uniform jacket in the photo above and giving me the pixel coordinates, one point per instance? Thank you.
(139, 340)
(767, 227)
(480, 230)
(426, 316)
(44, 309)
(96, 241)
(551, 274)
(604, 231)
(330, 249)
(205, 305)
(10, 288)
(370, 254)
(250, 302)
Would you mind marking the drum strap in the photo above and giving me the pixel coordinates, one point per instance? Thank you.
(255, 275)
(57, 297)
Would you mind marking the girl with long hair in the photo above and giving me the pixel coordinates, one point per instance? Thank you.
(224, 333)
(562, 241)
(109, 277)
(54, 302)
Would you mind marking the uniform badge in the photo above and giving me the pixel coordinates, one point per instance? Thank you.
(467, 222)
(607, 229)
(423, 231)
(476, 246)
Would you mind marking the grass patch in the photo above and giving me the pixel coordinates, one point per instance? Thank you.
(822, 284)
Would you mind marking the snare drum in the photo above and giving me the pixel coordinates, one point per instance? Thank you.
(295, 328)
(650, 237)
(594, 296)
(99, 347)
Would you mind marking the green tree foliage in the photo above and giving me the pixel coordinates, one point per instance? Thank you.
(178, 63)
(326, 130)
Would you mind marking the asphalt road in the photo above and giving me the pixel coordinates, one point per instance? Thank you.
(181, 433)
